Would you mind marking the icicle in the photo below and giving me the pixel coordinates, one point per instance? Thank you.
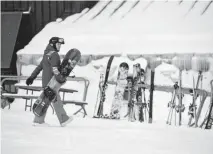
(154, 62)
(200, 64)
(182, 62)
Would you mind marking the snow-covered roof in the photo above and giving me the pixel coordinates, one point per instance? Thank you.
(131, 27)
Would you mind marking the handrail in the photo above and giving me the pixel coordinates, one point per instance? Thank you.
(165, 88)
(86, 84)
(69, 78)
(14, 78)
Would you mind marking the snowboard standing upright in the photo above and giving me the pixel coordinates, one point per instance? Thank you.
(50, 92)
(103, 89)
(119, 91)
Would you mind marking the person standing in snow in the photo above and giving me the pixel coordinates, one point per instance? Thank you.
(50, 64)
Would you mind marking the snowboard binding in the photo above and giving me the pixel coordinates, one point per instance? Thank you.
(49, 93)
(40, 108)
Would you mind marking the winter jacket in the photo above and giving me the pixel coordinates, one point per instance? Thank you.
(50, 62)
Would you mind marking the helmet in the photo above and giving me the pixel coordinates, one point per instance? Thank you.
(55, 40)
(124, 65)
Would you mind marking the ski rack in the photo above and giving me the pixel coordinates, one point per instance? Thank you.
(168, 88)
(86, 84)
(184, 90)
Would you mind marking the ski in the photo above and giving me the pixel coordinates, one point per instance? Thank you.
(210, 115)
(103, 89)
(141, 103)
(172, 105)
(134, 89)
(193, 106)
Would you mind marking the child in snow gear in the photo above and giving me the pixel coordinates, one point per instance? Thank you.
(121, 84)
(49, 93)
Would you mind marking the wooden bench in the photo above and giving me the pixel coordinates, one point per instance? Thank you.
(33, 88)
(22, 96)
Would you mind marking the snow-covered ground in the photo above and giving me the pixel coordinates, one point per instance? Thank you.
(97, 136)
(88, 135)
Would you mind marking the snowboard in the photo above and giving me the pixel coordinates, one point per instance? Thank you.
(49, 94)
(121, 84)
(103, 89)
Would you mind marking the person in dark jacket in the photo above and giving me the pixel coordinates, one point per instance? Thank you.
(49, 64)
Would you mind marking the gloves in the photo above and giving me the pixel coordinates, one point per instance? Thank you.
(29, 81)
(63, 65)
(66, 72)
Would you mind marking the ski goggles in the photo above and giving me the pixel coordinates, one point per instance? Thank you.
(61, 40)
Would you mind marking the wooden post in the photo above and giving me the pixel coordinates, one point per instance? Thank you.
(152, 64)
(151, 96)
(180, 97)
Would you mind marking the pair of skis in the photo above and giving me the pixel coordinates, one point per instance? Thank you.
(136, 108)
(172, 105)
(208, 120)
(193, 112)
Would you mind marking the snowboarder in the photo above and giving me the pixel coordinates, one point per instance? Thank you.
(50, 64)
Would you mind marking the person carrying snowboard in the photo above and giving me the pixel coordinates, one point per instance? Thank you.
(50, 64)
